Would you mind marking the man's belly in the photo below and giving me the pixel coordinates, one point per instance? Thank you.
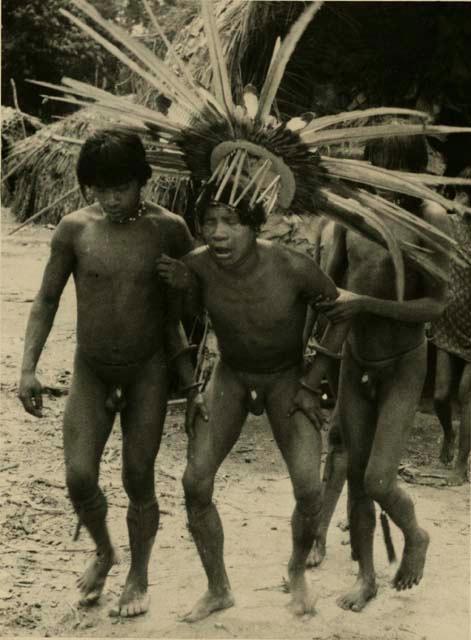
(119, 337)
(375, 338)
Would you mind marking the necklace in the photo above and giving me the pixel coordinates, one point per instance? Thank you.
(141, 210)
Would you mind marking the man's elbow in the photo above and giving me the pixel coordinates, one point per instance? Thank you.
(437, 308)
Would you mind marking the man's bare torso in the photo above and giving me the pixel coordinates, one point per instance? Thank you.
(371, 272)
(259, 317)
(121, 302)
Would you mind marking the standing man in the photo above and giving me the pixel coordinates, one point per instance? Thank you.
(382, 375)
(256, 294)
(126, 335)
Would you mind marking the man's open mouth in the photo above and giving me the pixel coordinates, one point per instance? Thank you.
(221, 252)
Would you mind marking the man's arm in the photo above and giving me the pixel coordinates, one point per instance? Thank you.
(426, 308)
(58, 269)
(322, 287)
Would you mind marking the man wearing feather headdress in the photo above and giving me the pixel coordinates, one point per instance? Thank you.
(256, 293)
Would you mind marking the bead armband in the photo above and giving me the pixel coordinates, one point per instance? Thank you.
(194, 385)
(320, 349)
(304, 385)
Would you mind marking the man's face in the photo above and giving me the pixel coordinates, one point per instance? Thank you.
(120, 201)
(229, 241)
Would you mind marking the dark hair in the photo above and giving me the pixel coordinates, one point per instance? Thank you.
(250, 216)
(400, 153)
(111, 157)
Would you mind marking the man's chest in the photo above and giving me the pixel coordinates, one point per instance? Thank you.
(259, 303)
(114, 255)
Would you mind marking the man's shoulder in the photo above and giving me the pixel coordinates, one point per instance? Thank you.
(285, 255)
(164, 216)
(435, 214)
(72, 223)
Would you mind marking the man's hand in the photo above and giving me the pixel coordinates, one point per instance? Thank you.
(343, 308)
(174, 272)
(196, 405)
(309, 404)
(30, 394)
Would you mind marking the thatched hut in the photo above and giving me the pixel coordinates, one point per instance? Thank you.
(16, 126)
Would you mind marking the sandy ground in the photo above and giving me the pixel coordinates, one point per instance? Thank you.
(40, 563)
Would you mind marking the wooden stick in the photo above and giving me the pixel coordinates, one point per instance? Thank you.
(40, 213)
(259, 186)
(7, 467)
(251, 181)
(17, 107)
(237, 177)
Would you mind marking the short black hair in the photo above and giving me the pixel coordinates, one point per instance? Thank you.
(251, 216)
(111, 157)
(400, 153)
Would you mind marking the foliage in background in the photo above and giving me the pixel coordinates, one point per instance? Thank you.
(40, 43)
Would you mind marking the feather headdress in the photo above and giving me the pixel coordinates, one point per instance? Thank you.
(280, 164)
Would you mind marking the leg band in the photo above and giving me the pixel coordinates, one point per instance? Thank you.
(90, 511)
(143, 520)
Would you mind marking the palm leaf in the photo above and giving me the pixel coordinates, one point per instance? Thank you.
(341, 213)
(170, 48)
(330, 121)
(161, 77)
(372, 220)
(356, 134)
(281, 59)
(222, 85)
(358, 171)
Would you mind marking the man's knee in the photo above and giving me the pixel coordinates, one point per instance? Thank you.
(378, 483)
(138, 481)
(308, 496)
(82, 483)
(198, 486)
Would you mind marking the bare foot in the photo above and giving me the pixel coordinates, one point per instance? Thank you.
(356, 599)
(317, 554)
(446, 453)
(207, 604)
(303, 600)
(92, 581)
(411, 568)
(134, 600)
(458, 476)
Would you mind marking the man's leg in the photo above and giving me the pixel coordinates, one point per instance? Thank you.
(335, 474)
(357, 415)
(398, 399)
(443, 402)
(142, 423)
(300, 444)
(464, 399)
(87, 425)
(208, 445)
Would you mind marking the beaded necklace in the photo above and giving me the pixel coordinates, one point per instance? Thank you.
(141, 210)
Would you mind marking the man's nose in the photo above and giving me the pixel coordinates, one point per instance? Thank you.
(220, 231)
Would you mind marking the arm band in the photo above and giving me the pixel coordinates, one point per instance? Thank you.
(305, 385)
(320, 349)
(195, 385)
